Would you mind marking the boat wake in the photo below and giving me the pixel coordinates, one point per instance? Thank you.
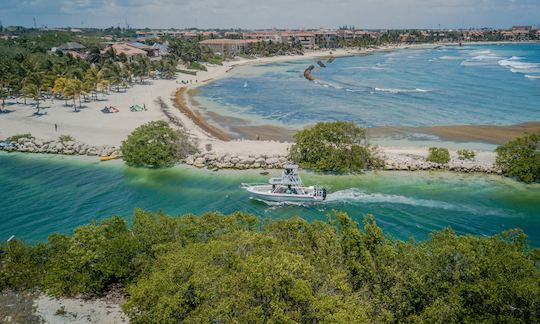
(355, 195)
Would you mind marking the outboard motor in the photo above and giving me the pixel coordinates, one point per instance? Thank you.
(324, 193)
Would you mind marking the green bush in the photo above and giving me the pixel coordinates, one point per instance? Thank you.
(156, 145)
(218, 60)
(197, 66)
(520, 158)
(333, 146)
(16, 137)
(217, 268)
(66, 138)
(438, 155)
(188, 72)
(466, 154)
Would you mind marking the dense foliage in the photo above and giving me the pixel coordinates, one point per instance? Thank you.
(157, 145)
(333, 146)
(466, 154)
(520, 158)
(438, 155)
(217, 268)
(28, 71)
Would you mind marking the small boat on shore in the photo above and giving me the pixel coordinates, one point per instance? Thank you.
(287, 188)
(108, 158)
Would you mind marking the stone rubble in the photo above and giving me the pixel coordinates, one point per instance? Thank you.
(35, 145)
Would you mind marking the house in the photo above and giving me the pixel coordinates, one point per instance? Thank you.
(162, 49)
(226, 46)
(71, 46)
(129, 51)
(150, 51)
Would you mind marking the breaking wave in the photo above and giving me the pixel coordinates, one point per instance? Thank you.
(534, 77)
(520, 67)
(450, 58)
(395, 90)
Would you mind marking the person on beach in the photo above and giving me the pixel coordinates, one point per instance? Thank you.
(55, 127)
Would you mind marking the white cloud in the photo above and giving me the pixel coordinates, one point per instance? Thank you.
(272, 13)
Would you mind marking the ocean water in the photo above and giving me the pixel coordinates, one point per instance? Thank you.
(473, 84)
(42, 194)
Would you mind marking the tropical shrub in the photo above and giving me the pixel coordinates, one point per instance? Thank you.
(333, 146)
(466, 154)
(156, 145)
(438, 155)
(197, 66)
(188, 72)
(218, 60)
(217, 268)
(520, 158)
(66, 138)
(16, 137)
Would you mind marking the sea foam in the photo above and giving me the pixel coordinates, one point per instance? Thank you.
(396, 90)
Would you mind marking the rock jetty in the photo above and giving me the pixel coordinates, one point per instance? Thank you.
(484, 162)
(232, 161)
(69, 147)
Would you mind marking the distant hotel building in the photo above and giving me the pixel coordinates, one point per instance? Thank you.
(226, 46)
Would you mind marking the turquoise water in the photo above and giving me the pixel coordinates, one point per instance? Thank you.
(41, 194)
(475, 84)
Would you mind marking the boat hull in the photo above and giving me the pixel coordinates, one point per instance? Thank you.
(265, 193)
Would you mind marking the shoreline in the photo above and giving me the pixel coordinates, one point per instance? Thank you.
(97, 129)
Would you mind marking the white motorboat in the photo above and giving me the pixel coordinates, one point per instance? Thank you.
(287, 188)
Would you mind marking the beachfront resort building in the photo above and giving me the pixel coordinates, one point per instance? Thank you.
(304, 38)
(230, 47)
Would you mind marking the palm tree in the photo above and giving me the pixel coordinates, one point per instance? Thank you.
(33, 91)
(91, 79)
(74, 90)
(59, 88)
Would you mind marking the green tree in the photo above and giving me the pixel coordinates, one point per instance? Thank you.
(439, 155)
(74, 89)
(520, 158)
(156, 145)
(33, 91)
(333, 146)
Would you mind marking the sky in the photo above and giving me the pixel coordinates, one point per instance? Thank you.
(368, 14)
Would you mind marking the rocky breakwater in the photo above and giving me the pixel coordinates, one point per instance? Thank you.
(231, 161)
(67, 147)
(484, 162)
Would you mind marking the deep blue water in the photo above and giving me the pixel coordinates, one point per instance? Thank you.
(40, 195)
(474, 84)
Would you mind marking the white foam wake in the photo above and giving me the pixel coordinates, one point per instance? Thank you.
(534, 77)
(356, 195)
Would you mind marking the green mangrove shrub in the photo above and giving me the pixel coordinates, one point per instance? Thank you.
(466, 154)
(520, 158)
(15, 138)
(438, 155)
(333, 146)
(156, 145)
(217, 268)
(197, 66)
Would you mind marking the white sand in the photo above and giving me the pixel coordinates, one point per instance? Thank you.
(78, 311)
